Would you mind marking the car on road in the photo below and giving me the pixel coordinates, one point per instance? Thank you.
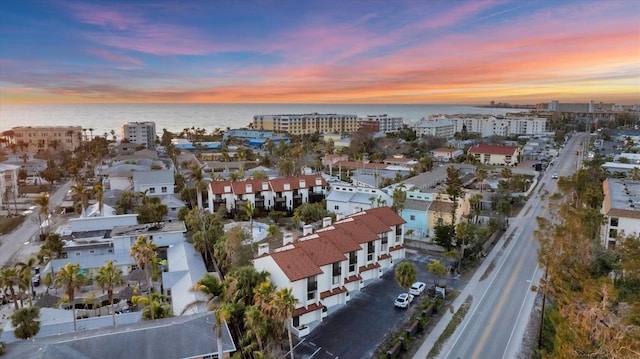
(417, 288)
(403, 300)
(554, 176)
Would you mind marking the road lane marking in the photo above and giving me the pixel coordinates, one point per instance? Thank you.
(520, 311)
(497, 310)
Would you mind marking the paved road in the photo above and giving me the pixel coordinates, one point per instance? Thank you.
(20, 239)
(503, 301)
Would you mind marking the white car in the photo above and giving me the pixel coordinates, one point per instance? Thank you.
(403, 300)
(554, 176)
(417, 288)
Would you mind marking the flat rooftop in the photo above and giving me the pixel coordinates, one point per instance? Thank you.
(149, 228)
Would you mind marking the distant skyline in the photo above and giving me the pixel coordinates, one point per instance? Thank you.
(360, 52)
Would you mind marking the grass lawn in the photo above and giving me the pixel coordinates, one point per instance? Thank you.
(8, 224)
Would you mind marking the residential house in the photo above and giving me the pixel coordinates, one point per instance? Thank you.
(154, 182)
(327, 268)
(496, 155)
(621, 210)
(348, 199)
(446, 154)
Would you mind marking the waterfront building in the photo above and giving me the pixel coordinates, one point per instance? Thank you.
(141, 133)
(39, 138)
(621, 210)
(306, 124)
(381, 123)
(437, 127)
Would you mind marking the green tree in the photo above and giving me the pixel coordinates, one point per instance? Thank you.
(481, 175)
(399, 198)
(108, 278)
(454, 190)
(284, 303)
(438, 269)
(406, 274)
(144, 253)
(24, 270)
(72, 280)
(151, 210)
(26, 323)
(9, 279)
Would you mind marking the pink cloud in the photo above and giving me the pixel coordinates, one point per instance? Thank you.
(117, 58)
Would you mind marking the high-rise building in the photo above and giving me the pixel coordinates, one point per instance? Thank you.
(384, 123)
(141, 133)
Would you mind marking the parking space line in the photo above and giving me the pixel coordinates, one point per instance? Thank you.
(314, 353)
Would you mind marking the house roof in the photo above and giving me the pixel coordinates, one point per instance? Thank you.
(321, 251)
(340, 240)
(176, 337)
(221, 187)
(296, 264)
(483, 148)
(153, 176)
(442, 207)
(291, 183)
(386, 215)
(250, 186)
(416, 205)
(356, 231)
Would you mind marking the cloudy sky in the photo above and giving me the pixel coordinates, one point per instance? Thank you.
(271, 51)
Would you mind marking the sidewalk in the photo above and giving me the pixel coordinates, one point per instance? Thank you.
(474, 288)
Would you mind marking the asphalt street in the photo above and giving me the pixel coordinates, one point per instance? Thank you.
(22, 241)
(503, 302)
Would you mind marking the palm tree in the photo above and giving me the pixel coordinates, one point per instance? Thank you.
(249, 209)
(9, 278)
(144, 253)
(214, 290)
(98, 192)
(284, 304)
(25, 321)
(43, 202)
(109, 277)
(25, 269)
(481, 175)
(71, 279)
(79, 195)
(257, 325)
(198, 177)
(406, 274)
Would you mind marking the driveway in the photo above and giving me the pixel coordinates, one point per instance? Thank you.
(356, 329)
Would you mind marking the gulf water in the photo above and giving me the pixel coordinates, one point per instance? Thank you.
(103, 118)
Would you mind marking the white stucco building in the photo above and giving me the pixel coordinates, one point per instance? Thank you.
(621, 209)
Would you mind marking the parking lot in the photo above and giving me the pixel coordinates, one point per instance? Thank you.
(356, 329)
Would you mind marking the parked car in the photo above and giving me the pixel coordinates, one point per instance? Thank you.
(554, 176)
(403, 300)
(417, 288)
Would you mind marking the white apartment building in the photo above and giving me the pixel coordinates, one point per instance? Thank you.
(443, 128)
(347, 199)
(386, 124)
(621, 209)
(511, 124)
(327, 268)
(305, 124)
(141, 133)
(39, 138)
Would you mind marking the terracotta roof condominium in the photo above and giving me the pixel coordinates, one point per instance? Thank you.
(321, 251)
(358, 232)
(386, 215)
(221, 187)
(296, 264)
(340, 239)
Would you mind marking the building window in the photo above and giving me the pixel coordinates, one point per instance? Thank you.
(412, 217)
(312, 286)
(336, 207)
(352, 261)
(613, 222)
(152, 190)
(337, 271)
(370, 250)
(613, 233)
(384, 241)
(164, 189)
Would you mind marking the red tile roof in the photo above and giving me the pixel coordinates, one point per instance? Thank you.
(384, 256)
(321, 251)
(334, 291)
(296, 264)
(386, 215)
(304, 310)
(278, 184)
(340, 239)
(370, 266)
(249, 186)
(356, 231)
(218, 187)
(352, 278)
(504, 150)
(396, 248)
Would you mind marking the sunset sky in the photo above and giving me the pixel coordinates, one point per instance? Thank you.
(428, 52)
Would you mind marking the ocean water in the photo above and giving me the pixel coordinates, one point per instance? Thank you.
(175, 117)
